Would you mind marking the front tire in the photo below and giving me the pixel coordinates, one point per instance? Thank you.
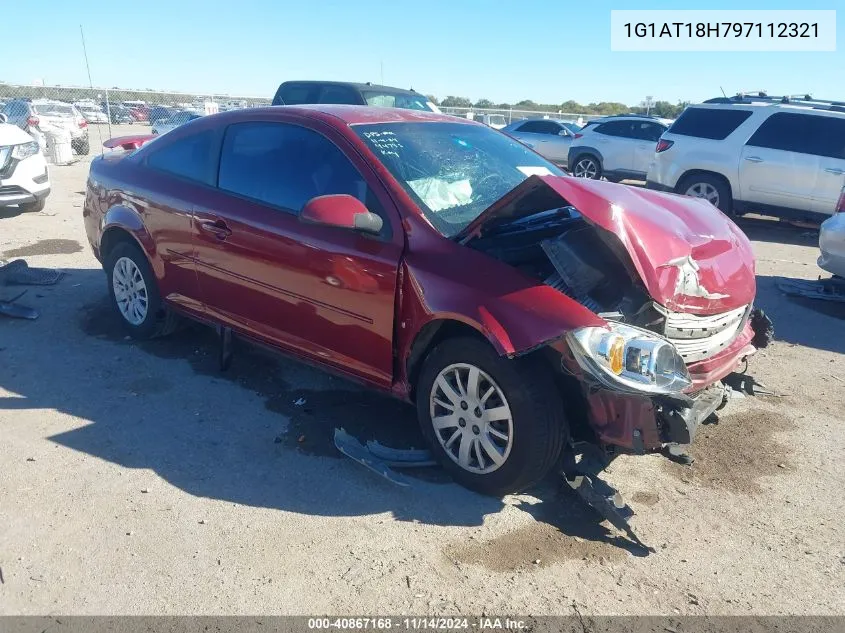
(496, 425)
(134, 293)
(710, 187)
(587, 166)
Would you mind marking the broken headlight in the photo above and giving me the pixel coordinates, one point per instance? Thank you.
(629, 358)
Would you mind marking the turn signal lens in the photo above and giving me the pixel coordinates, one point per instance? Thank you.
(615, 355)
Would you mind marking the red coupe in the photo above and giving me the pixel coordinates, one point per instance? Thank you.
(521, 310)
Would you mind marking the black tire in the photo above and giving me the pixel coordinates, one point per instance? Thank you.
(34, 207)
(82, 148)
(583, 160)
(725, 202)
(539, 424)
(159, 321)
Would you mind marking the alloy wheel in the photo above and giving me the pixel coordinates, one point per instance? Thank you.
(130, 291)
(585, 168)
(704, 190)
(471, 417)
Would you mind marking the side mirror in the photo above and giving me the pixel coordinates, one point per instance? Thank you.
(342, 211)
(3, 118)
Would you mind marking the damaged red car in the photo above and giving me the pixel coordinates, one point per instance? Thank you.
(524, 313)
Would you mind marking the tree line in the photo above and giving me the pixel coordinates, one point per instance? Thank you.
(657, 108)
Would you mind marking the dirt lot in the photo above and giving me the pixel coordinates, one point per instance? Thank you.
(138, 479)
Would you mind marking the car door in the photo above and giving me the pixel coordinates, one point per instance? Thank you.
(321, 292)
(556, 147)
(176, 170)
(646, 133)
(614, 139)
(777, 167)
(531, 134)
(827, 136)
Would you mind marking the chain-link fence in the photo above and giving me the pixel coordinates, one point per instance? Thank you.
(90, 116)
(504, 116)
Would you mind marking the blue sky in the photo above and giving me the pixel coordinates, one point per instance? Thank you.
(546, 50)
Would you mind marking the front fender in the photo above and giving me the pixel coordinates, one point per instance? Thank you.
(514, 313)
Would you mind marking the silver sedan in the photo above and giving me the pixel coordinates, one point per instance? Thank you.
(548, 137)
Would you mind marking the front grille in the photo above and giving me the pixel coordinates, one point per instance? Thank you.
(699, 337)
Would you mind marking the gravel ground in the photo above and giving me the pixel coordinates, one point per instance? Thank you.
(137, 479)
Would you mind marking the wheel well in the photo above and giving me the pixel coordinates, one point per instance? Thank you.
(429, 337)
(702, 172)
(111, 238)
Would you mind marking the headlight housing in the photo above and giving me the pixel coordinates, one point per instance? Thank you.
(24, 150)
(630, 359)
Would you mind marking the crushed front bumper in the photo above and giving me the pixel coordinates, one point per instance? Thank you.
(641, 423)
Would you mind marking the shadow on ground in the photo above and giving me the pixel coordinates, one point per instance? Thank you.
(776, 232)
(283, 460)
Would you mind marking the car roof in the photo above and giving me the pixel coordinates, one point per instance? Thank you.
(355, 114)
(354, 85)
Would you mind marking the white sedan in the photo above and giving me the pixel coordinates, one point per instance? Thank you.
(832, 241)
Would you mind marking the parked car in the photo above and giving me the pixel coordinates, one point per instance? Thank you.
(140, 113)
(93, 114)
(24, 181)
(342, 92)
(118, 113)
(548, 137)
(775, 155)
(616, 147)
(496, 121)
(175, 120)
(160, 113)
(440, 261)
(832, 240)
(32, 116)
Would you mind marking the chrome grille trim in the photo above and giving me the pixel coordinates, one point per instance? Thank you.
(699, 337)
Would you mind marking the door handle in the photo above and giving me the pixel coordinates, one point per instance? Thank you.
(217, 228)
(754, 159)
(834, 171)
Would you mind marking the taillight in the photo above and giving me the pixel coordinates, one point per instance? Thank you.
(663, 145)
(577, 135)
(83, 123)
(840, 206)
(33, 121)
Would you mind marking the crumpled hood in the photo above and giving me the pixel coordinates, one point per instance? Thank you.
(688, 254)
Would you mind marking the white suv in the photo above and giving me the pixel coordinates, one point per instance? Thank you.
(779, 156)
(617, 147)
(24, 181)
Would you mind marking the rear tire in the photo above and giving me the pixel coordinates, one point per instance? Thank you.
(134, 293)
(82, 148)
(710, 187)
(522, 419)
(587, 166)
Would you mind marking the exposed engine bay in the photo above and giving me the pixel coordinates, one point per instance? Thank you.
(561, 249)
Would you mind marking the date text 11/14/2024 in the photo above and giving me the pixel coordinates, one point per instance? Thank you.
(417, 623)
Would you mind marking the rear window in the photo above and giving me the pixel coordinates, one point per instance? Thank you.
(715, 124)
(296, 94)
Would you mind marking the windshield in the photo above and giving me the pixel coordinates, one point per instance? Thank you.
(399, 100)
(453, 171)
(54, 109)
